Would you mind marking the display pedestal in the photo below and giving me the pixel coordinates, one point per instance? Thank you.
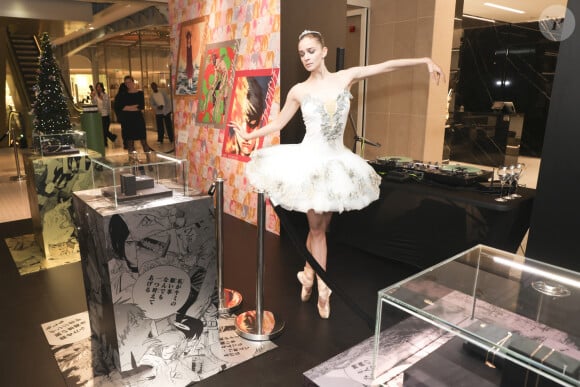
(50, 185)
(149, 269)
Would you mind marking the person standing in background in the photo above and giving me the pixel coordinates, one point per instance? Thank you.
(119, 113)
(130, 105)
(161, 105)
(92, 93)
(101, 99)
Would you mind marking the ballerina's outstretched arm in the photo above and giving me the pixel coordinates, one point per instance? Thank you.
(290, 108)
(361, 72)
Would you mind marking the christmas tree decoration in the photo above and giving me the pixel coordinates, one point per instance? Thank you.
(50, 107)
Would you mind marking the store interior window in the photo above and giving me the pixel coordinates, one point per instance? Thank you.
(502, 71)
(143, 54)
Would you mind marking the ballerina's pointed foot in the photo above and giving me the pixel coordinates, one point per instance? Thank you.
(324, 293)
(306, 278)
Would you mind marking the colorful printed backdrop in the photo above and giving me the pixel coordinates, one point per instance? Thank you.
(247, 34)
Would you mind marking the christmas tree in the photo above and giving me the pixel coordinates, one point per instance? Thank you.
(50, 109)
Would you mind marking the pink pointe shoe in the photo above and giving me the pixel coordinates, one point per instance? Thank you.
(306, 278)
(323, 299)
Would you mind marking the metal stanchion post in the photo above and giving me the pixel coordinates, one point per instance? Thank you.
(16, 145)
(229, 300)
(259, 325)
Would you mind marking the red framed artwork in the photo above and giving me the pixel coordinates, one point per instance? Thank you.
(252, 96)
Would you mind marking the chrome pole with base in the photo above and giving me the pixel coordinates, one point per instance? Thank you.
(229, 300)
(16, 145)
(259, 325)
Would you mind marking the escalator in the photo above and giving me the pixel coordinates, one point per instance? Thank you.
(23, 53)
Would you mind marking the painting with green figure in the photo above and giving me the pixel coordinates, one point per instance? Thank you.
(215, 83)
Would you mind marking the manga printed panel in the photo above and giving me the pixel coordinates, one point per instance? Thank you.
(150, 277)
(50, 195)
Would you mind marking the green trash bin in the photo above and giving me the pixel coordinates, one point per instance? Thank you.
(92, 125)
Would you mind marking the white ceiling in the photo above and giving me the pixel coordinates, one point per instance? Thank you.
(78, 22)
(532, 8)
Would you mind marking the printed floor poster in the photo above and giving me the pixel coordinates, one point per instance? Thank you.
(217, 348)
(407, 342)
(29, 258)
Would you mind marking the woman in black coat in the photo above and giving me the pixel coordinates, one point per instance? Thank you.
(129, 106)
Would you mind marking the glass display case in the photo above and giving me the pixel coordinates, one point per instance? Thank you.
(485, 317)
(57, 144)
(139, 176)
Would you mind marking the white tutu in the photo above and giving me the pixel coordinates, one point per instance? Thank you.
(320, 173)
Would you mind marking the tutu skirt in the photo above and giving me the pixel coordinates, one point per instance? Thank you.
(300, 177)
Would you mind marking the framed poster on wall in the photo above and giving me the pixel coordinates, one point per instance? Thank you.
(191, 41)
(215, 83)
(250, 104)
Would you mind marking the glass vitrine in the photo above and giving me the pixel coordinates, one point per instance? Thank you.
(140, 176)
(514, 317)
(57, 144)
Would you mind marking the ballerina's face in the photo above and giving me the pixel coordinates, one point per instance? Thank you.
(311, 52)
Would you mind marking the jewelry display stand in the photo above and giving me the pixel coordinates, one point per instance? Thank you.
(51, 181)
(149, 270)
(259, 325)
(488, 298)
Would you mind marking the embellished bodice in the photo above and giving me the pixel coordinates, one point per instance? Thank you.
(325, 117)
(319, 173)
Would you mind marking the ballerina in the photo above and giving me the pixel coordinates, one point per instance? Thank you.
(320, 175)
